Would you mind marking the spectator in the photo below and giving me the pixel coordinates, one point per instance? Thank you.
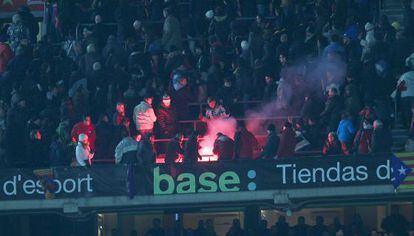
(18, 33)
(223, 147)
(144, 116)
(270, 90)
(210, 231)
(126, 150)
(244, 143)
(346, 132)
(104, 138)
(362, 141)
(6, 55)
(319, 229)
(175, 149)
(332, 112)
(119, 114)
(220, 25)
(395, 224)
(381, 138)
(166, 118)
(287, 141)
(171, 36)
(156, 229)
(200, 228)
(263, 230)
(191, 148)
(36, 150)
(84, 127)
(332, 146)
(301, 228)
(235, 229)
(214, 110)
(336, 227)
(84, 155)
(272, 144)
(281, 227)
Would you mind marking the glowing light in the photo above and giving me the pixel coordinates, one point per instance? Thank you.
(207, 154)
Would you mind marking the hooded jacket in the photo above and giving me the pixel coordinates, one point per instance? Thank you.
(144, 116)
(224, 148)
(126, 151)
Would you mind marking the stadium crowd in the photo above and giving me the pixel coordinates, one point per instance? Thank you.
(81, 94)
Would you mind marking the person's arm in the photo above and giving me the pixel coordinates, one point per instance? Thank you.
(152, 115)
(118, 153)
(167, 32)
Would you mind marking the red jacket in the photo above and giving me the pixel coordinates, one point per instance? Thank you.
(81, 128)
(5, 56)
(287, 143)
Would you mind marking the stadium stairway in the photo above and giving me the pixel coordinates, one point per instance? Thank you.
(400, 137)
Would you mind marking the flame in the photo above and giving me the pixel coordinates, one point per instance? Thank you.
(207, 154)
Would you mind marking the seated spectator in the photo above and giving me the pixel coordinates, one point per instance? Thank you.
(272, 143)
(175, 149)
(346, 132)
(223, 147)
(244, 143)
(362, 141)
(166, 118)
(84, 155)
(144, 116)
(126, 150)
(191, 154)
(214, 110)
(381, 138)
(84, 127)
(287, 141)
(332, 146)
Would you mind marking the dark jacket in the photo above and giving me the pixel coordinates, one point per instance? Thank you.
(174, 150)
(381, 140)
(244, 144)
(332, 149)
(191, 147)
(166, 120)
(331, 115)
(287, 143)
(271, 146)
(224, 148)
(146, 154)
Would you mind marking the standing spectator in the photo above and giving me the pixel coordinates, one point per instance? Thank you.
(263, 230)
(104, 138)
(346, 132)
(36, 152)
(244, 143)
(84, 155)
(166, 118)
(320, 228)
(84, 127)
(18, 32)
(362, 141)
(287, 141)
(171, 37)
(301, 228)
(272, 143)
(405, 88)
(119, 114)
(144, 116)
(332, 145)
(126, 150)
(223, 147)
(210, 231)
(220, 25)
(281, 227)
(235, 229)
(381, 138)
(270, 90)
(332, 112)
(191, 148)
(175, 149)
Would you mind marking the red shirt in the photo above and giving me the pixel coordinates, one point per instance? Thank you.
(81, 128)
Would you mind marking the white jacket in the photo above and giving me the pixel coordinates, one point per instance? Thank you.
(408, 78)
(83, 154)
(144, 116)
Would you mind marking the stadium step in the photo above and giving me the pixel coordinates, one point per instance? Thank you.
(399, 137)
(393, 9)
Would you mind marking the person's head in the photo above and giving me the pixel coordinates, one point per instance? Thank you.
(87, 120)
(319, 220)
(166, 100)
(166, 12)
(259, 19)
(148, 98)
(83, 139)
(156, 223)
(180, 137)
(98, 19)
(268, 79)
(378, 124)
(211, 102)
(282, 59)
(16, 18)
(244, 45)
(301, 220)
(283, 38)
(97, 66)
(120, 107)
(331, 137)
(236, 223)
(332, 92)
(287, 125)
(271, 128)
(227, 83)
(91, 48)
(137, 24)
(137, 136)
(104, 118)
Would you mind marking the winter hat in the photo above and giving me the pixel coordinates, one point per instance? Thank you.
(83, 138)
(166, 97)
(209, 14)
(409, 61)
(369, 26)
(244, 45)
